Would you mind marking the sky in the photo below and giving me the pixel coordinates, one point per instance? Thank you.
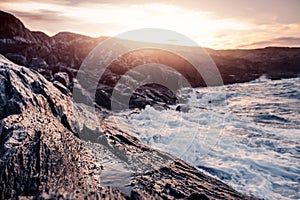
(218, 24)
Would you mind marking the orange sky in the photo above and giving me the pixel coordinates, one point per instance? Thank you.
(216, 24)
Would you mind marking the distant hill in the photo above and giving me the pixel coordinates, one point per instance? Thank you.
(66, 51)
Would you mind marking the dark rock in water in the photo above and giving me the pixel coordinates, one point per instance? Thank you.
(183, 108)
(153, 95)
(187, 108)
(42, 156)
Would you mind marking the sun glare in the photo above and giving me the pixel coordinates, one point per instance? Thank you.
(196, 25)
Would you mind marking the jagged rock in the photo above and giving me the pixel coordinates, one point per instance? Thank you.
(62, 88)
(26, 89)
(153, 95)
(39, 154)
(62, 77)
(38, 151)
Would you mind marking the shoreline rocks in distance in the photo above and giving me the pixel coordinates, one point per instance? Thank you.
(65, 52)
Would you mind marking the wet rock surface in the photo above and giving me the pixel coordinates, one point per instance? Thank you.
(52, 149)
(159, 175)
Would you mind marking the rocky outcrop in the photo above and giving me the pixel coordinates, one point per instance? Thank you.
(39, 149)
(39, 154)
(45, 153)
(12, 28)
(23, 89)
(62, 52)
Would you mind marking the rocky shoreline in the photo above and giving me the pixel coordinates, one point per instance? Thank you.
(52, 147)
(42, 156)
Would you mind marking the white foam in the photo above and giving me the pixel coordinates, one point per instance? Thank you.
(220, 132)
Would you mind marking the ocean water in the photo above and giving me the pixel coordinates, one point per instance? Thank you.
(247, 135)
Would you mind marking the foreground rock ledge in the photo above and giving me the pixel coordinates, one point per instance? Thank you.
(42, 157)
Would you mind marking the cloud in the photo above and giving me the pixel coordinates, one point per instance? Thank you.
(282, 41)
(258, 11)
(40, 15)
